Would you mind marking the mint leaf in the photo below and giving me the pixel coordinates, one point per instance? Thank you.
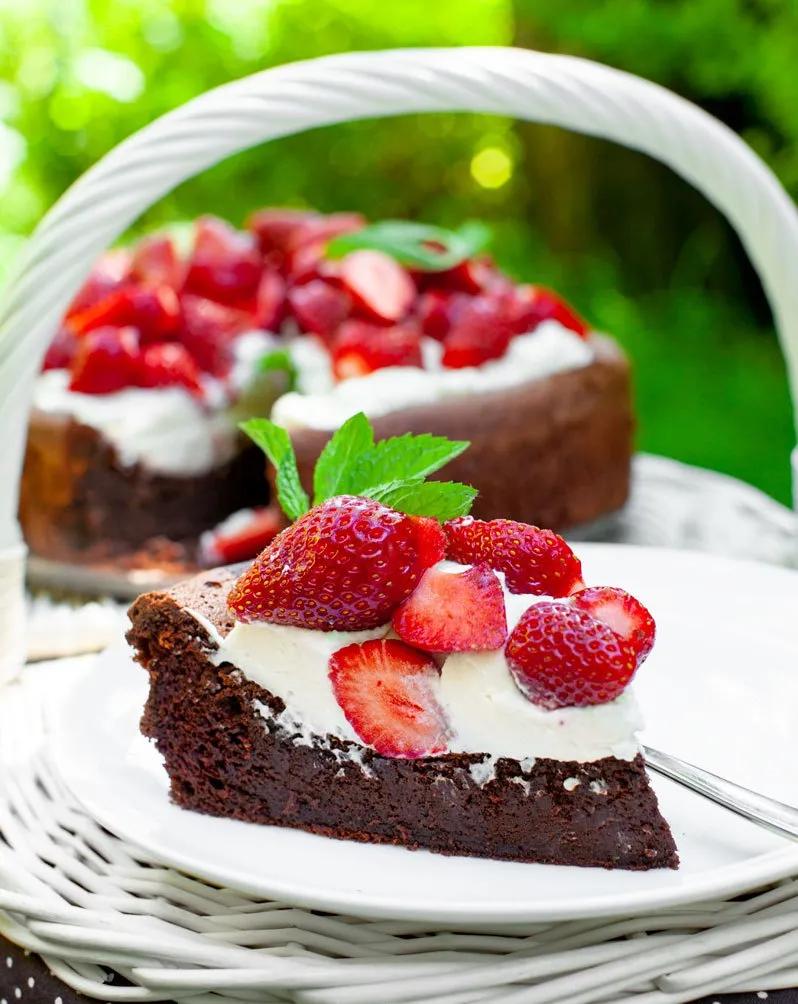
(280, 359)
(403, 458)
(334, 468)
(440, 499)
(419, 245)
(276, 444)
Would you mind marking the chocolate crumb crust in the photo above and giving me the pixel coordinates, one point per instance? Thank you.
(553, 452)
(227, 755)
(80, 503)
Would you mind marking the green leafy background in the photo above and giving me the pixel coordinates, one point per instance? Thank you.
(637, 250)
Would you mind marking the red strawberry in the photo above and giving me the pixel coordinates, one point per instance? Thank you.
(437, 310)
(535, 304)
(361, 348)
(153, 310)
(344, 566)
(107, 275)
(319, 307)
(241, 536)
(481, 332)
(387, 692)
(378, 284)
(471, 276)
(270, 301)
(225, 264)
(156, 262)
(430, 541)
(454, 612)
(626, 615)
(533, 560)
(106, 361)
(560, 656)
(208, 330)
(168, 364)
(61, 351)
(279, 229)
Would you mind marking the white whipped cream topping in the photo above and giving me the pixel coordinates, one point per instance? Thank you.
(167, 429)
(487, 713)
(321, 403)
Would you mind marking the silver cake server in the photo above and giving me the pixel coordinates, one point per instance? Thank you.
(767, 812)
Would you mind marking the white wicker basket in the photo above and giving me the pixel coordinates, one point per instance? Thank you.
(569, 92)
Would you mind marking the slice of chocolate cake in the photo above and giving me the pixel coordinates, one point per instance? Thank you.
(380, 674)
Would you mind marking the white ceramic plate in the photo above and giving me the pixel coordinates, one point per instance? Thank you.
(720, 690)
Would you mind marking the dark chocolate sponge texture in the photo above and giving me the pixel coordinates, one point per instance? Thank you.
(554, 452)
(226, 755)
(79, 502)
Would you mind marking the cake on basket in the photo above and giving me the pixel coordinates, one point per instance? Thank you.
(391, 669)
(310, 319)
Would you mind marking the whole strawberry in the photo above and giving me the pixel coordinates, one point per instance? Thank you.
(561, 656)
(344, 566)
(533, 560)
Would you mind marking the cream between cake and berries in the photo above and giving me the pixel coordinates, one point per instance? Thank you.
(309, 318)
(394, 670)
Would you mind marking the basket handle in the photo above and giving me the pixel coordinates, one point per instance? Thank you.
(574, 93)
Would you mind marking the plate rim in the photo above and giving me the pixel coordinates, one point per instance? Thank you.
(726, 880)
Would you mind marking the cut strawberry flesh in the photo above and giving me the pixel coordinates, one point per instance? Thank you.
(437, 310)
(153, 310)
(110, 272)
(156, 262)
(620, 611)
(482, 332)
(387, 691)
(225, 265)
(106, 361)
(360, 348)
(208, 332)
(169, 364)
(247, 534)
(454, 612)
(61, 351)
(535, 304)
(560, 656)
(270, 301)
(319, 307)
(378, 284)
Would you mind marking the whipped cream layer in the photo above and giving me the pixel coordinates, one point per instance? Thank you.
(321, 403)
(486, 711)
(167, 429)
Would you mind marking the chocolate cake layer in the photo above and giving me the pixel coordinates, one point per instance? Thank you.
(227, 755)
(553, 452)
(80, 503)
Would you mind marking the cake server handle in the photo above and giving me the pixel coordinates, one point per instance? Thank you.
(766, 812)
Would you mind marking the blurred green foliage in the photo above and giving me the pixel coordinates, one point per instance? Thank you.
(635, 248)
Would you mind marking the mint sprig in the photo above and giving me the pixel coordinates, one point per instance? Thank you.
(418, 245)
(280, 360)
(276, 444)
(391, 471)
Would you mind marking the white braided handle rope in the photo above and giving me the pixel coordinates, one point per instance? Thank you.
(573, 93)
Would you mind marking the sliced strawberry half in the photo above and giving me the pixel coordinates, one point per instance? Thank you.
(481, 332)
(270, 301)
(208, 331)
(153, 310)
(454, 612)
(319, 307)
(241, 536)
(378, 284)
(169, 364)
(225, 265)
(61, 350)
(360, 348)
(535, 304)
(387, 691)
(620, 611)
(560, 656)
(107, 360)
(533, 560)
(156, 262)
(110, 272)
